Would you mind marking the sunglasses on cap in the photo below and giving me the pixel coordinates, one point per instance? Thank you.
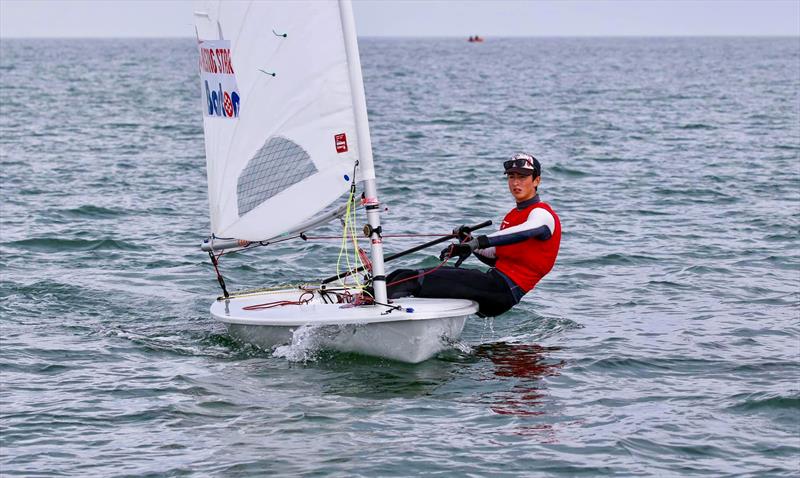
(518, 163)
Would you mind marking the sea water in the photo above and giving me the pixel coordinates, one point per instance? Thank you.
(664, 343)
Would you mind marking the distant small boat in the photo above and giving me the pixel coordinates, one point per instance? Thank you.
(475, 39)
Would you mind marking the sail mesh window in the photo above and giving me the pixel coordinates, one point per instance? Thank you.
(279, 164)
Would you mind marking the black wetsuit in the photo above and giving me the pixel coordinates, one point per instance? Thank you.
(490, 289)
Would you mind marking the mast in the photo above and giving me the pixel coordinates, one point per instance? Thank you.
(365, 150)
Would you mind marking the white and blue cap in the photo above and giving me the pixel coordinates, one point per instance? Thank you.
(523, 163)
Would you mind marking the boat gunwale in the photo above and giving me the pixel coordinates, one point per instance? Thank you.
(347, 315)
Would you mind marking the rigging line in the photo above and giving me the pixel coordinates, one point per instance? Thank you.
(353, 225)
(422, 274)
(390, 306)
(350, 233)
(349, 222)
(215, 261)
(254, 244)
(344, 239)
(343, 247)
(278, 303)
(315, 238)
(282, 289)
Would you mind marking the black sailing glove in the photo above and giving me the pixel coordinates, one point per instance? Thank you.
(464, 249)
(463, 233)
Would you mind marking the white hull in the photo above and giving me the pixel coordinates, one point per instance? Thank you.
(416, 333)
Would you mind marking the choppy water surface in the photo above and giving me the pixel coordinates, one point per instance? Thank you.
(665, 342)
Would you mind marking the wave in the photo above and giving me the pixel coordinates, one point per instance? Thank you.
(766, 401)
(59, 245)
(615, 259)
(701, 269)
(662, 284)
(182, 343)
(568, 172)
(123, 125)
(697, 126)
(91, 212)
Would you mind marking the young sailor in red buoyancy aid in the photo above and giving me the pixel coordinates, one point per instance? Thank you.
(522, 252)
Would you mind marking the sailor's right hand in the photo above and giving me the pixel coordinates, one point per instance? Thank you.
(243, 243)
(463, 233)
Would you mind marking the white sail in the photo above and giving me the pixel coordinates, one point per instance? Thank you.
(285, 124)
(278, 113)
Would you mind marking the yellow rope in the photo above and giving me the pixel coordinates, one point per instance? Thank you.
(349, 233)
(351, 212)
(344, 244)
(356, 253)
(343, 250)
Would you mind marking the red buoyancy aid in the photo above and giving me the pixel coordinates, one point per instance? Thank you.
(528, 261)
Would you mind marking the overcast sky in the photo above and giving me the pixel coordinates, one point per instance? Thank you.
(172, 18)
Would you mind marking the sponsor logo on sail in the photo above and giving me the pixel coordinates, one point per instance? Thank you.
(220, 92)
(340, 140)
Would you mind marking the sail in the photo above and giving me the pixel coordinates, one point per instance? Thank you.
(278, 113)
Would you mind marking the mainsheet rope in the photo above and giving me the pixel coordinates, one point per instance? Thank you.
(421, 274)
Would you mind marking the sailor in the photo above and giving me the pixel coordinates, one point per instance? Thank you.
(522, 252)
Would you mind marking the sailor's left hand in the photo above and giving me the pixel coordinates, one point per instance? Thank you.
(462, 251)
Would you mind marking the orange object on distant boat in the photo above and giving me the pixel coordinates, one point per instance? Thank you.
(474, 39)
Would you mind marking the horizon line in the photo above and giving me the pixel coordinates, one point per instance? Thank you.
(175, 37)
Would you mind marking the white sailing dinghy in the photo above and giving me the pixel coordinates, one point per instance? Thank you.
(286, 136)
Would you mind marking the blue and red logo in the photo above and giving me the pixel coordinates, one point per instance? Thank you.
(222, 103)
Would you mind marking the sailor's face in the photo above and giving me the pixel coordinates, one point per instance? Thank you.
(522, 187)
